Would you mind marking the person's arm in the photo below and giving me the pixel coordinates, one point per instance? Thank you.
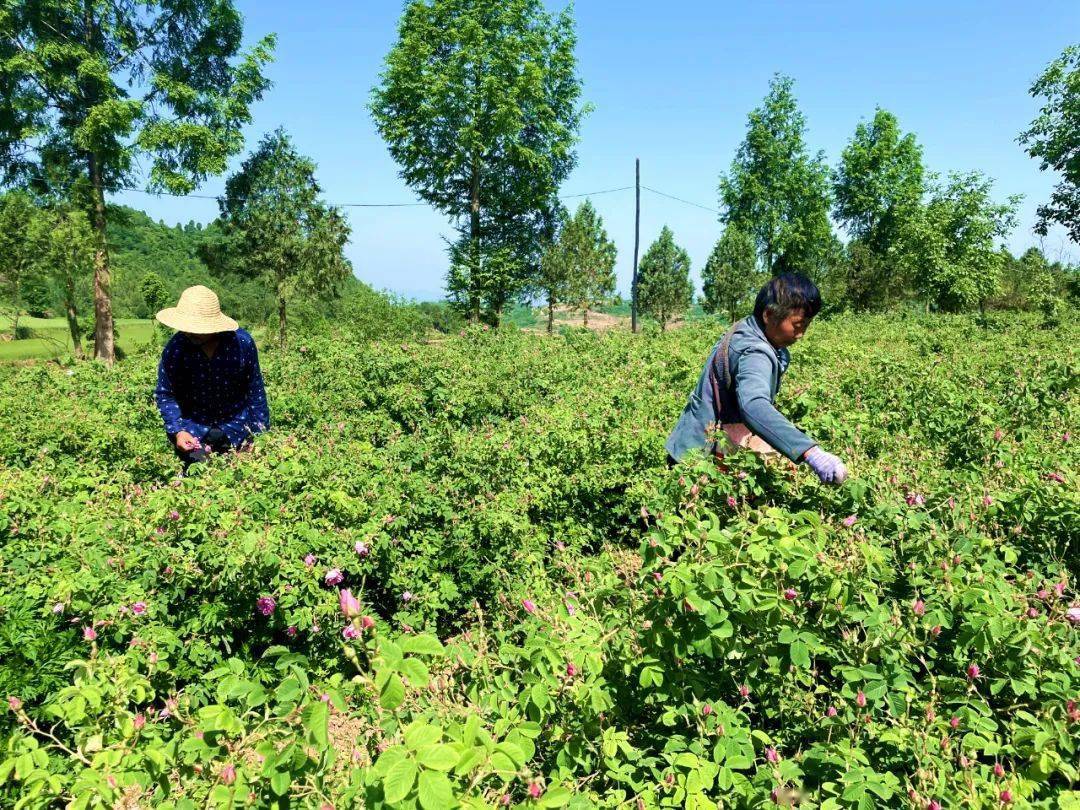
(169, 408)
(753, 387)
(254, 417)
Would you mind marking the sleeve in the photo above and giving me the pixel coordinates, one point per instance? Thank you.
(753, 388)
(167, 405)
(254, 417)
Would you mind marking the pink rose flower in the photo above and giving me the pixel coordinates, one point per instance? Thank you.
(535, 791)
(772, 755)
(529, 605)
(266, 605)
(350, 605)
(860, 699)
(14, 703)
(850, 520)
(139, 608)
(350, 632)
(333, 577)
(361, 548)
(830, 712)
(919, 608)
(228, 774)
(791, 594)
(973, 671)
(89, 634)
(309, 559)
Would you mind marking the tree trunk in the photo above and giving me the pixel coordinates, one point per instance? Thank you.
(72, 312)
(551, 314)
(586, 318)
(15, 311)
(73, 327)
(103, 319)
(474, 234)
(281, 320)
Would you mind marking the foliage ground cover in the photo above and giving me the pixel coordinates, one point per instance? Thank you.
(458, 571)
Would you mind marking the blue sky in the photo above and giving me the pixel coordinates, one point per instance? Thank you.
(671, 83)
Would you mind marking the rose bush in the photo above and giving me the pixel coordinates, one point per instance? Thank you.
(266, 631)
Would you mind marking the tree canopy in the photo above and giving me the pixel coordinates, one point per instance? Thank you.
(279, 226)
(730, 275)
(479, 104)
(1054, 140)
(91, 86)
(664, 288)
(777, 191)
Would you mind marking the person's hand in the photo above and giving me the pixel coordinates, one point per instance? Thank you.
(186, 442)
(829, 468)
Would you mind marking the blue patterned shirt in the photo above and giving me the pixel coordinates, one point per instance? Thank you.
(196, 393)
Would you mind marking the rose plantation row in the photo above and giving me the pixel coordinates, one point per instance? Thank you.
(459, 572)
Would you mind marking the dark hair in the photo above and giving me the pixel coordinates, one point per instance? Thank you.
(785, 294)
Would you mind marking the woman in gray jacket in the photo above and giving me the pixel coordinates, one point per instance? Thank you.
(738, 386)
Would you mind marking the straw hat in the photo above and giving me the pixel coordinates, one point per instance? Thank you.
(198, 312)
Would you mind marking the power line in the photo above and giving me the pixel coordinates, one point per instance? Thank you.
(214, 198)
(680, 199)
(594, 193)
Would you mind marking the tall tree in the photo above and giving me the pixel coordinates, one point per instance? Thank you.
(879, 183)
(69, 262)
(590, 259)
(280, 229)
(951, 244)
(20, 250)
(664, 288)
(730, 274)
(777, 191)
(91, 86)
(552, 280)
(479, 103)
(1054, 140)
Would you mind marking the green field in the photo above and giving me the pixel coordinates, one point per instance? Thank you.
(52, 340)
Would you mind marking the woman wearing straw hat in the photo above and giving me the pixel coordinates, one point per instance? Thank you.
(210, 389)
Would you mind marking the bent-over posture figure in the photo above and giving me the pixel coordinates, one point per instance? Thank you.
(738, 386)
(210, 389)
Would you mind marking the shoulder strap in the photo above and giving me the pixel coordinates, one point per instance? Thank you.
(720, 371)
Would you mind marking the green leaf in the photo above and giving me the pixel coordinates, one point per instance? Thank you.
(279, 782)
(415, 670)
(435, 791)
(557, 797)
(399, 780)
(315, 718)
(420, 735)
(800, 655)
(423, 644)
(392, 692)
(440, 757)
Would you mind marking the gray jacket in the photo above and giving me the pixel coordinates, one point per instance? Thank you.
(757, 367)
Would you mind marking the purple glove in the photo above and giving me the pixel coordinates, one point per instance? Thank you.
(829, 468)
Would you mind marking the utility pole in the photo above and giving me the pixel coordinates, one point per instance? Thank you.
(637, 236)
